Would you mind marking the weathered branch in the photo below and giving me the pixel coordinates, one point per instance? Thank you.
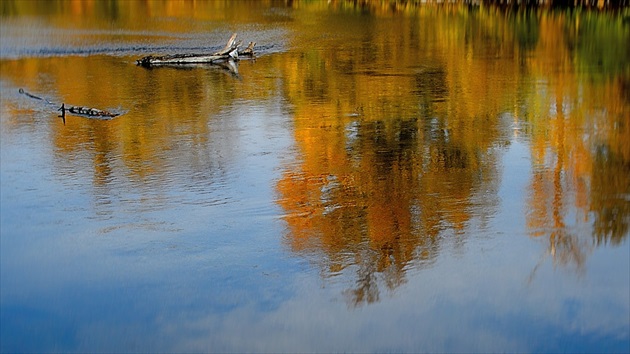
(249, 51)
(229, 52)
(229, 47)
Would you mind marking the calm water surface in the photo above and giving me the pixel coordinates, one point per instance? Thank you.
(437, 178)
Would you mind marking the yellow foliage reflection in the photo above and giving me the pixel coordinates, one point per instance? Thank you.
(398, 142)
(396, 151)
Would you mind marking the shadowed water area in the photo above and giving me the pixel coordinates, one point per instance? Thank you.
(437, 178)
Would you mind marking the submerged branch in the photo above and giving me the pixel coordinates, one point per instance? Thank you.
(77, 110)
(86, 111)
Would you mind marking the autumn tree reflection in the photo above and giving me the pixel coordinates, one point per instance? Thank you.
(579, 142)
(391, 160)
(379, 198)
(395, 156)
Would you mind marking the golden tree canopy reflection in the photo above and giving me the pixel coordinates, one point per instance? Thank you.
(399, 129)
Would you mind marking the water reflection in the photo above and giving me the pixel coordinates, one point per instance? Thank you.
(386, 201)
(373, 140)
(398, 143)
(398, 123)
(394, 155)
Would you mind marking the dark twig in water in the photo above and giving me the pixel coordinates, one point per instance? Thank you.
(63, 113)
(33, 96)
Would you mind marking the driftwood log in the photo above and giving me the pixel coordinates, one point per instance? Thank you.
(231, 52)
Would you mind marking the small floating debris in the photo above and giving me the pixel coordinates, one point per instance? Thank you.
(76, 110)
(85, 111)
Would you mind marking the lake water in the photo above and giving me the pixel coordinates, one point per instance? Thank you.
(394, 178)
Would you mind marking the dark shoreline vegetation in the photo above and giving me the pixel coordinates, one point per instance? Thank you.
(18, 7)
(559, 4)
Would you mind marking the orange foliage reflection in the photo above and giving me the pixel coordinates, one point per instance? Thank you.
(398, 142)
